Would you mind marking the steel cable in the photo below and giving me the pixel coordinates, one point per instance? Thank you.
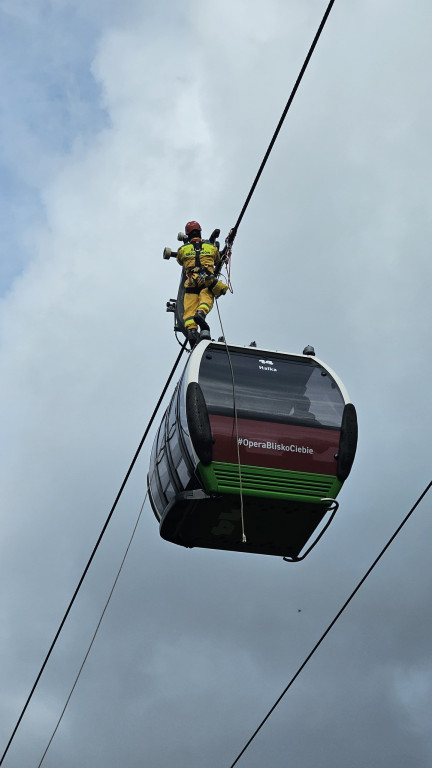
(331, 625)
(126, 478)
(233, 232)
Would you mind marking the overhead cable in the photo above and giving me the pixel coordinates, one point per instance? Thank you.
(122, 487)
(361, 582)
(233, 232)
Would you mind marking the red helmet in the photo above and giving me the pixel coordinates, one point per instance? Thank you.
(192, 226)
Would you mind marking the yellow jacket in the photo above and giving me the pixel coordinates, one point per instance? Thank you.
(206, 258)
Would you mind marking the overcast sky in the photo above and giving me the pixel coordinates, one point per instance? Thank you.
(120, 122)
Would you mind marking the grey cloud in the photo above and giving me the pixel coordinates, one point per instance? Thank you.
(197, 645)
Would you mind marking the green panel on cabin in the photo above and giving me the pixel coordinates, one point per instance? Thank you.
(220, 477)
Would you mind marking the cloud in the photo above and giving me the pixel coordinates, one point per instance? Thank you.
(153, 117)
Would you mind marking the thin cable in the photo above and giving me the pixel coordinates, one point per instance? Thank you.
(361, 582)
(94, 552)
(233, 231)
(244, 540)
(95, 632)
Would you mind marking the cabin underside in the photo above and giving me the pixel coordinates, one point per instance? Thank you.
(272, 526)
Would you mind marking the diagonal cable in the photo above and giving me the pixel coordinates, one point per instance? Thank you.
(361, 582)
(122, 487)
(233, 231)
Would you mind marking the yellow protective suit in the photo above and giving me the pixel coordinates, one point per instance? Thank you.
(198, 258)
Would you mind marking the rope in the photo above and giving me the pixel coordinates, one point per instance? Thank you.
(361, 582)
(244, 540)
(128, 473)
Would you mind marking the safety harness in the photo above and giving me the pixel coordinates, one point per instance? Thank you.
(198, 272)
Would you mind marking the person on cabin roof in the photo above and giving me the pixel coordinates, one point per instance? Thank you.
(198, 258)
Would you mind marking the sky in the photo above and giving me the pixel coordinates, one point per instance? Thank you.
(119, 123)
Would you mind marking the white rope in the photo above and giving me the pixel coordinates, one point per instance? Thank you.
(244, 540)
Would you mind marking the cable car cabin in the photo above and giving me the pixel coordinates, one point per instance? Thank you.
(252, 440)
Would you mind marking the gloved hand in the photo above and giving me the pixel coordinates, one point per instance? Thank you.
(219, 289)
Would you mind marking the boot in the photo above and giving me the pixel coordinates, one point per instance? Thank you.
(200, 320)
(193, 337)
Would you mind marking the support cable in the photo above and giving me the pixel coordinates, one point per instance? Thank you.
(128, 473)
(361, 582)
(230, 239)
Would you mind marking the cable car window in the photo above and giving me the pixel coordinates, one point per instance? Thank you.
(279, 389)
(154, 484)
(172, 411)
(153, 452)
(158, 501)
(161, 477)
(169, 491)
(162, 469)
(182, 406)
(160, 440)
(325, 395)
(173, 444)
(183, 473)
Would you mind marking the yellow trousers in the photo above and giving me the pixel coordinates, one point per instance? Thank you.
(193, 302)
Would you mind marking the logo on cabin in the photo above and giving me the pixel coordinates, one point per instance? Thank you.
(269, 445)
(266, 365)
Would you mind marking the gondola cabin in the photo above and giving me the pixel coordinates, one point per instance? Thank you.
(252, 451)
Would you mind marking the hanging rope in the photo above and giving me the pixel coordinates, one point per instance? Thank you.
(244, 540)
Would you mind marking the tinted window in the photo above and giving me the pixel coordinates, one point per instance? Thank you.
(270, 388)
(159, 503)
(153, 476)
(172, 437)
(161, 477)
(183, 473)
